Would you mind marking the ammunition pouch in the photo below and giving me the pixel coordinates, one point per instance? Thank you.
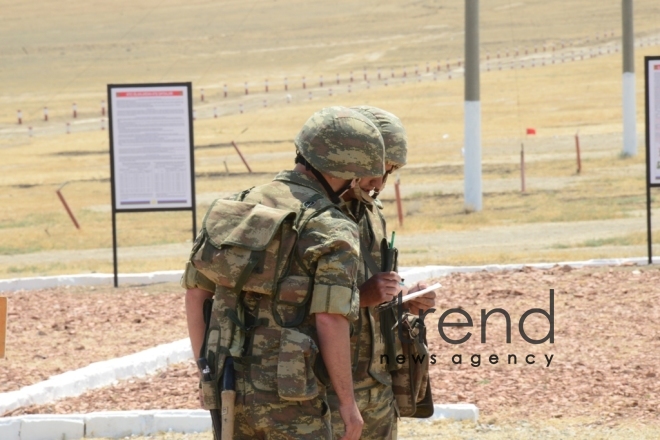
(411, 384)
(295, 366)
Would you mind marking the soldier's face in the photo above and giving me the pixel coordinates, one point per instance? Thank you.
(376, 184)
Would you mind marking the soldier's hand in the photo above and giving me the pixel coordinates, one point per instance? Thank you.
(353, 422)
(424, 302)
(380, 288)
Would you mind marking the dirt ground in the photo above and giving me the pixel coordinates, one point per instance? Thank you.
(603, 368)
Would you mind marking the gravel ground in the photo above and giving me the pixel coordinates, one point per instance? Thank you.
(602, 378)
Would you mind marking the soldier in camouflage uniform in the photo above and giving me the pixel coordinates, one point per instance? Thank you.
(371, 378)
(275, 399)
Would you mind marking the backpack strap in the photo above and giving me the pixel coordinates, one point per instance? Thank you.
(302, 222)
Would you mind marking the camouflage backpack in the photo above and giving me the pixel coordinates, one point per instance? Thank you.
(245, 246)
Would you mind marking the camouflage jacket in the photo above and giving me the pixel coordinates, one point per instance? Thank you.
(321, 278)
(367, 344)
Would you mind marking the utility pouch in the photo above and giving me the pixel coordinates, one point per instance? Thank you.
(211, 398)
(411, 383)
(293, 294)
(389, 257)
(245, 246)
(295, 366)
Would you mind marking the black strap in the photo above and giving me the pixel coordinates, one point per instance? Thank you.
(207, 308)
(334, 195)
(369, 259)
(255, 257)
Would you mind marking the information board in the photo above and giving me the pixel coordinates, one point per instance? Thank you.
(151, 146)
(152, 162)
(653, 118)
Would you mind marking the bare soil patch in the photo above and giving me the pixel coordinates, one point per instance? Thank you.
(604, 368)
(57, 330)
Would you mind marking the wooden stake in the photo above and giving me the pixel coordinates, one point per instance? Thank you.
(68, 210)
(3, 325)
(399, 207)
(522, 167)
(577, 150)
(241, 155)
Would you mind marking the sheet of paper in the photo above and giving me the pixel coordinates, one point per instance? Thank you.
(421, 292)
(151, 148)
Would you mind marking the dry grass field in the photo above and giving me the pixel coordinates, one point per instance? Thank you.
(567, 79)
(553, 66)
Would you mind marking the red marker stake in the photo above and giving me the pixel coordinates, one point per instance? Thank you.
(66, 206)
(241, 156)
(522, 168)
(399, 207)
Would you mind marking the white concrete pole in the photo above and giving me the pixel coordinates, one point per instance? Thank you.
(473, 192)
(629, 101)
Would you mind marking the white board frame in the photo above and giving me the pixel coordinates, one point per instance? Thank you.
(141, 173)
(179, 157)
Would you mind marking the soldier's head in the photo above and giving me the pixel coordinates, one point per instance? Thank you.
(396, 145)
(339, 146)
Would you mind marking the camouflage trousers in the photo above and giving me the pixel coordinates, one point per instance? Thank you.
(265, 416)
(378, 411)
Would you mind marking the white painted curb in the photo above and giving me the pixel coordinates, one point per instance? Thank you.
(96, 375)
(93, 279)
(414, 274)
(457, 411)
(411, 274)
(119, 424)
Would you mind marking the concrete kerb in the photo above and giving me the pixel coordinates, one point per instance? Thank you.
(96, 375)
(411, 274)
(119, 424)
(94, 279)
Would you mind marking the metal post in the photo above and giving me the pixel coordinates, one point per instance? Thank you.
(114, 247)
(473, 193)
(629, 110)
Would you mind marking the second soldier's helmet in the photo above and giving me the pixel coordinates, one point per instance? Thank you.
(342, 143)
(394, 135)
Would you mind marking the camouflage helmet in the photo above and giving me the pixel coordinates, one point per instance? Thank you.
(342, 143)
(394, 135)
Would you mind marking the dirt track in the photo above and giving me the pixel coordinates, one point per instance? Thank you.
(433, 246)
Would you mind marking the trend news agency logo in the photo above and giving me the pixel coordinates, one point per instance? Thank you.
(475, 359)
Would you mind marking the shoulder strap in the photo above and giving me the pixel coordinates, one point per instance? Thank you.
(373, 266)
(303, 219)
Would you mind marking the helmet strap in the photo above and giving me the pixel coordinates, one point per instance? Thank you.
(334, 195)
